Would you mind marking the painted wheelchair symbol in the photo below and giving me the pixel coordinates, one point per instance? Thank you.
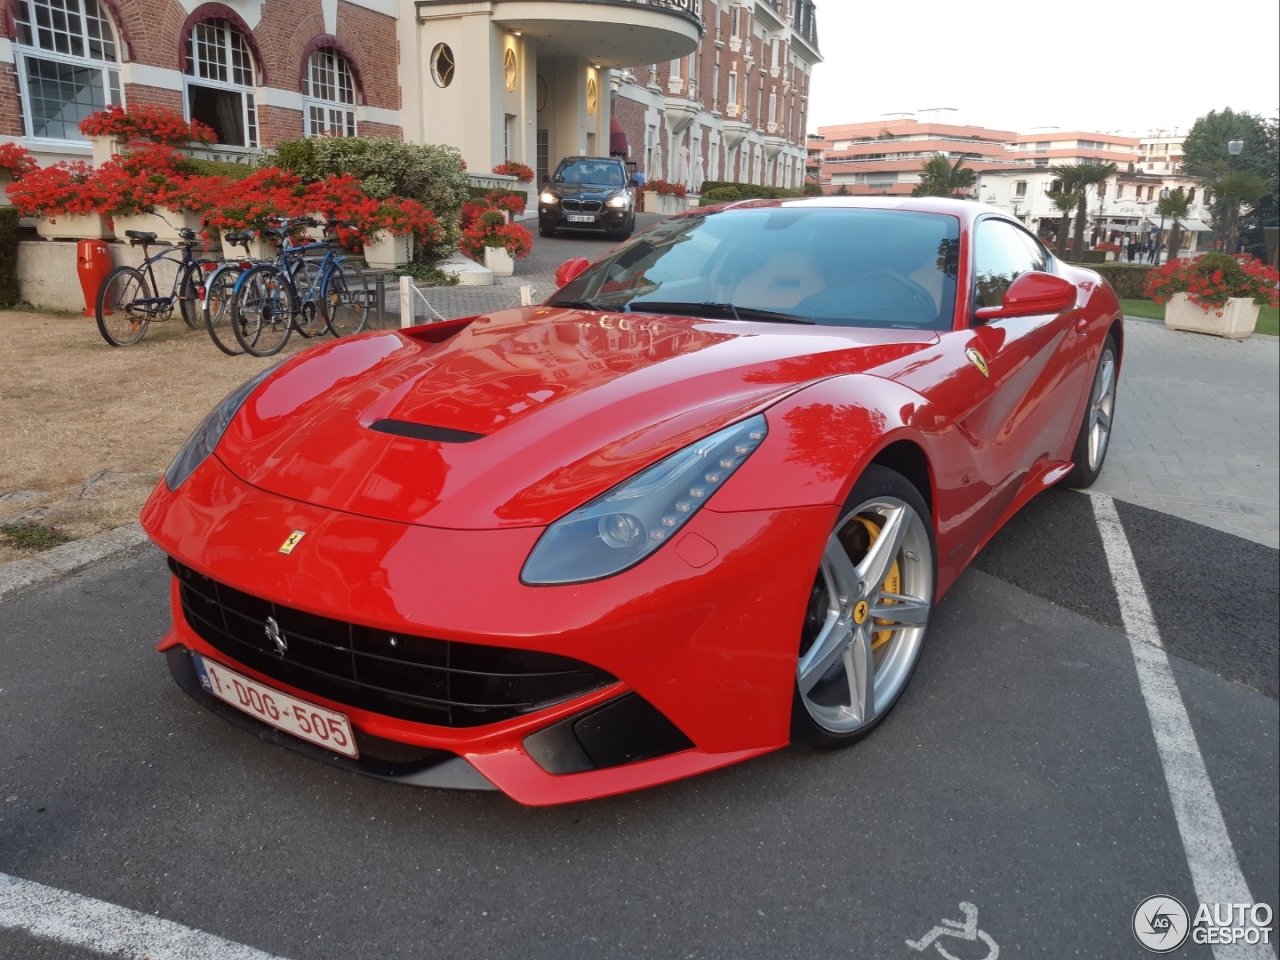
(960, 931)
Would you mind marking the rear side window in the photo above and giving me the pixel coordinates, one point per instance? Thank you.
(1001, 254)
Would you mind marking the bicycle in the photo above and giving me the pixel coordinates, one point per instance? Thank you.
(127, 301)
(219, 292)
(267, 305)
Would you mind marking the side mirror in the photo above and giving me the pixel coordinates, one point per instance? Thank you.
(545, 180)
(1031, 294)
(570, 270)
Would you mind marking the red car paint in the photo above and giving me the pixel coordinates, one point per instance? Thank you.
(430, 538)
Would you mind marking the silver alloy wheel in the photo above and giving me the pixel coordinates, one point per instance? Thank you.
(1102, 404)
(862, 654)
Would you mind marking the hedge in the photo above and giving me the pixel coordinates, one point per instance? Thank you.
(1127, 279)
(718, 191)
(9, 292)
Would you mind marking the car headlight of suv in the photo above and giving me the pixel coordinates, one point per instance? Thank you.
(201, 443)
(620, 528)
(548, 198)
(619, 202)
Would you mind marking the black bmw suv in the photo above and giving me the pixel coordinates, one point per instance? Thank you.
(589, 193)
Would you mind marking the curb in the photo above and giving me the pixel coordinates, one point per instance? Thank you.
(68, 558)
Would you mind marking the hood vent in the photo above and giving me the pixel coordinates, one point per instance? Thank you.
(422, 431)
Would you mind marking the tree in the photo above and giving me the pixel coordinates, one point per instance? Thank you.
(1065, 202)
(1076, 179)
(940, 178)
(1175, 207)
(1232, 191)
(1205, 157)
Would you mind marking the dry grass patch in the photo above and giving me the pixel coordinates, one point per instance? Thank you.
(87, 429)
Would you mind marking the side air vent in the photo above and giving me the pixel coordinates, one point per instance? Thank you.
(422, 431)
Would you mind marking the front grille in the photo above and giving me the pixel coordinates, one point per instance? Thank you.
(592, 206)
(573, 206)
(413, 678)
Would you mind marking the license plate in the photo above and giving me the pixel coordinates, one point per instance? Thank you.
(307, 721)
(581, 219)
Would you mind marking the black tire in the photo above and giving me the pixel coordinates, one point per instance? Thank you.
(346, 300)
(262, 311)
(189, 295)
(310, 321)
(120, 322)
(882, 500)
(546, 231)
(1096, 423)
(219, 310)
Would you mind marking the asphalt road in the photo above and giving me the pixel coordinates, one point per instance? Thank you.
(1018, 773)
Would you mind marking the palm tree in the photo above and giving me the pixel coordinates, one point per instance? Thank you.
(940, 178)
(1235, 190)
(1065, 202)
(1077, 178)
(1174, 207)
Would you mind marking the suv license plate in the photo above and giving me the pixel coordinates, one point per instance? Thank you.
(581, 219)
(307, 721)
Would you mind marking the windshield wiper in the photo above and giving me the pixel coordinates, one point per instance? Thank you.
(727, 310)
(579, 305)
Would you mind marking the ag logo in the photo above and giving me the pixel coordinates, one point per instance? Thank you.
(1161, 924)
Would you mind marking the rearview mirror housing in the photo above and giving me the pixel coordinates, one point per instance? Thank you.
(1031, 294)
(570, 270)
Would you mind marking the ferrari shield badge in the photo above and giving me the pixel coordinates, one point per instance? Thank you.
(978, 361)
(291, 541)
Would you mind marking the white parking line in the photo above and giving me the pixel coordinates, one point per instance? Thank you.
(104, 928)
(1215, 871)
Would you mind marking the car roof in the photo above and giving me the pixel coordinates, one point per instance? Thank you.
(592, 159)
(966, 210)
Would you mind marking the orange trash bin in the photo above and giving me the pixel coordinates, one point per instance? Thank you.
(93, 263)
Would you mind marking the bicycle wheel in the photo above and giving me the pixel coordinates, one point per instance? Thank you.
(262, 311)
(122, 321)
(310, 321)
(189, 294)
(346, 300)
(218, 309)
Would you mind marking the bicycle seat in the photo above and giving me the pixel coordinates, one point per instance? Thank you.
(142, 236)
(239, 237)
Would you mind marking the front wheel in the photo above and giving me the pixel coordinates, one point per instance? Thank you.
(1095, 427)
(123, 306)
(346, 300)
(262, 311)
(868, 612)
(193, 276)
(218, 314)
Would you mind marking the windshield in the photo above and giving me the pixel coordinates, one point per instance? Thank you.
(831, 266)
(597, 172)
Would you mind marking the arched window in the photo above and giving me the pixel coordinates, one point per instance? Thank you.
(67, 64)
(329, 95)
(221, 82)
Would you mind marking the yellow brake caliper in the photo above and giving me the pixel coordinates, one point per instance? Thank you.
(892, 583)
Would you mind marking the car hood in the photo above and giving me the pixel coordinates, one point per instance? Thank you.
(583, 191)
(552, 406)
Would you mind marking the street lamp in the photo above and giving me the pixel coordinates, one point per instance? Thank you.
(1235, 146)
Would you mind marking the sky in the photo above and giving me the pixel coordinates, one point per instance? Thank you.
(1106, 66)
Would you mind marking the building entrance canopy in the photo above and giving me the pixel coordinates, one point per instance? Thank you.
(609, 33)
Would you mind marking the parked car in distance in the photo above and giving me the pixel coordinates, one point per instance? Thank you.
(589, 193)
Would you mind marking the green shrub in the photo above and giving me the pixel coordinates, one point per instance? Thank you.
(1127, 279)
(1088, 256)
(720, 192)
(9, 292)
(220, 168)
(431, 174)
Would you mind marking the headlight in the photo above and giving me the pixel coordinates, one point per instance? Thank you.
(210, 431)
(620, 528)
(548, 197)
(620, 201)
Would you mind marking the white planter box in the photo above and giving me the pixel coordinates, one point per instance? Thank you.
(104, 148)
(1235, 319)
(499, 261)
(164, 223)
(75, 226)
(259, 249)
(4, 197)
(389, 251)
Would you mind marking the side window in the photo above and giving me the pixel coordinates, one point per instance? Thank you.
(1002, 253)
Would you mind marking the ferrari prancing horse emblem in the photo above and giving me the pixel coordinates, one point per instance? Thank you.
(291, 541)
(978, 361)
